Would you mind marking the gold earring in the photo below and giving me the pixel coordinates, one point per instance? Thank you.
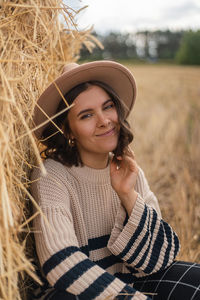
(71, 142)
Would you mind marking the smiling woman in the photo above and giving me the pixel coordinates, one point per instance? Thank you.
(97, 120)
(106, 239)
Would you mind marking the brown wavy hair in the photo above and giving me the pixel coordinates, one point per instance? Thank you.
(57, 144)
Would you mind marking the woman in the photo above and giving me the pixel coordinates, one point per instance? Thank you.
(105, 237)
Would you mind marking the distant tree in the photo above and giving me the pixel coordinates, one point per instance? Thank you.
(189, 52)
(168, 43)
(116, 46)
(158, 44)
(146, 45)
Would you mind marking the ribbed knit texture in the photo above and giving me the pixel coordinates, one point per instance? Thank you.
(86, 244)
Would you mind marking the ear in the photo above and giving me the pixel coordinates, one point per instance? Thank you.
(70, 136)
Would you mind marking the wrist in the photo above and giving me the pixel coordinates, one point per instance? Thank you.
(128, 201)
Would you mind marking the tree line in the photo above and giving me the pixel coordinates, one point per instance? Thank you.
(182, 47)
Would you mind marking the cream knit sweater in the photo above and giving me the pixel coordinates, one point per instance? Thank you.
(89, 247)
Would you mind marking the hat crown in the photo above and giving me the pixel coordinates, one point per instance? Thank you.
(69, 67)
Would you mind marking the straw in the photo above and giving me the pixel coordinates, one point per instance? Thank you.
(35, 46)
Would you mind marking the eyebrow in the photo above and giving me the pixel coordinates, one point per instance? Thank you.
(90, 109)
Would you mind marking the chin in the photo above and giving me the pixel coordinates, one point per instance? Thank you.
(109, 149)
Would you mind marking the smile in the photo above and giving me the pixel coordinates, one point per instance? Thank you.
(108, 133)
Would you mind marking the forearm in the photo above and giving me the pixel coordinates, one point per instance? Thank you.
(146, 242)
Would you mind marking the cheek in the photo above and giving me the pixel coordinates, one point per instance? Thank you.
(81, 131)
(116, 120)
(78, 129)
(115, 117)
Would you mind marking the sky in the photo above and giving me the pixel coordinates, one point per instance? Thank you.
(134, 15)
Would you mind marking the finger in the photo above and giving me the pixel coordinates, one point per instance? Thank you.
(130, 163)
(129, 156)
(119, 157)
(128, 151)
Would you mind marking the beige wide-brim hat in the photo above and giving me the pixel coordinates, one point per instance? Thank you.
(118, 77)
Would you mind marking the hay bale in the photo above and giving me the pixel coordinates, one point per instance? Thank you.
(34, 47)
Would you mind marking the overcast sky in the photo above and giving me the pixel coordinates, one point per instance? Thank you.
(133, 15)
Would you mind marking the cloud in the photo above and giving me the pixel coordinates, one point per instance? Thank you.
(133, 15)
(182, 10)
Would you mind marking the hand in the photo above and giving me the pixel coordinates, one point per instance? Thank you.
(123, 178)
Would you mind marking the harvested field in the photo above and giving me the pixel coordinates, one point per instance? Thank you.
(166, 125)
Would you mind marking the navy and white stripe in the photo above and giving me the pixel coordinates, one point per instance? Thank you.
(96, 287)
(152, 245)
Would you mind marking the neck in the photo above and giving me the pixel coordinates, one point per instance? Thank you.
(100, 161)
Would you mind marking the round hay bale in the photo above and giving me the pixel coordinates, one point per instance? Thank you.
(34, 47)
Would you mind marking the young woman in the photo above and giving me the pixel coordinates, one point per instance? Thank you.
(102, 235)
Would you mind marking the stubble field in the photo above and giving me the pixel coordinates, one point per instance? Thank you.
(166, 126)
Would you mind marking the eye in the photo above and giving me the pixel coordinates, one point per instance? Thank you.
(86, 116)
(109, 106)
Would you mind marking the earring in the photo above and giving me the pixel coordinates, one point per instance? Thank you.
(71, 142)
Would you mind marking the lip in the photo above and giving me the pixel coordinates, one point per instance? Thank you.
(107, 133)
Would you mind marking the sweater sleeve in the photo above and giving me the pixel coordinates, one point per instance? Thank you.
(142, 187)
(145, 241)
(64, 264)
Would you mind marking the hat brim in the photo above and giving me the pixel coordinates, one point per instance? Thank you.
(118, 77)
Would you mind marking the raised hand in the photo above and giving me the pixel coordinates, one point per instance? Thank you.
(123, 178)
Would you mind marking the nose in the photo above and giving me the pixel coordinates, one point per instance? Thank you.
(102, 120)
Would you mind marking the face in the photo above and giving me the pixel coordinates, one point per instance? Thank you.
(94, 125)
